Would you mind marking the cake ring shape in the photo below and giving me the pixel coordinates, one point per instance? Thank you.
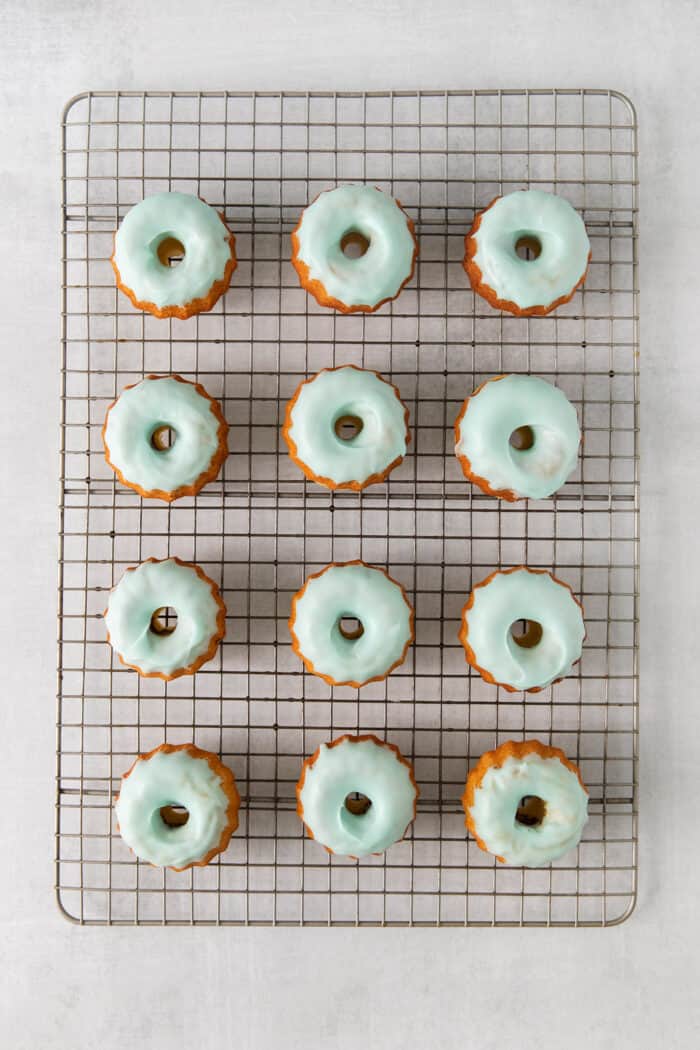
(525, 803)
(346, 767)
(370, 651)
(555, 632)
(377, 225)
(156, 790)
(511, 410)
(132, 432)
(543, 222)
(136, 632)
(373, 409)
(161, 226)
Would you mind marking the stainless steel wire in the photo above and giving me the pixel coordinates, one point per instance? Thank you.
(261, 528)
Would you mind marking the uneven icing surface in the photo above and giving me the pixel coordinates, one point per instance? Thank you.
(188, 220)
(380, 272)
(348, 391)
(370, 769)
(524, 595)
(144, 408)
(359, 591)
(496, 802)
(155, 585)
(562, 260)
(502, 406)
(171, 778)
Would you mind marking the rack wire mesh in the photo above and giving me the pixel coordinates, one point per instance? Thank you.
(262, 528)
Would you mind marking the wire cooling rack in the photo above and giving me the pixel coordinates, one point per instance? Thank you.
(262, 528)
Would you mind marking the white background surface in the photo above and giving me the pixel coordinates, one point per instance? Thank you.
(632, 986)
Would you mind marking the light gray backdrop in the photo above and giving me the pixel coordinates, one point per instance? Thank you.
(633, 986)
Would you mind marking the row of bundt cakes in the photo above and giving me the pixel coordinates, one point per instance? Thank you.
(351, 624)
(524, 802)
(354, 249)
(516, 436)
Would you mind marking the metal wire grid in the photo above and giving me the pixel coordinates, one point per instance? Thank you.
(262, 528)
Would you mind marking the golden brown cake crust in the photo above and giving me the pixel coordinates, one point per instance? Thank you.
(309, 762)
(464, 629)
(476, 278)
(308, 664)
(495, 759)
(195, 306)
(219, 633)
(228, 785)
(329, 483)
(206, 476)
(316, 288)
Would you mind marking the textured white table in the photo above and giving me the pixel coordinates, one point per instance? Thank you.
(632, 986)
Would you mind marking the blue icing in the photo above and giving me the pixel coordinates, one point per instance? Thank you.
(351, 590)
(371, 769)
(188, 220)
(524, 595)
(496, 802)
(165, 779)
(347, 391)
(564, 251)
(154, 585)
(505, 404)
(385, 266)
(142, 409)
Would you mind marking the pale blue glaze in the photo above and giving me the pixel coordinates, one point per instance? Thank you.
(142, 409)
(154, 585)
(502, 406)
(166, 779)
(525, 595)
(352, 590)
(372, 770)
(348, 391)
(496, 802)
(380, 272)
(190, 221)
(561, 263)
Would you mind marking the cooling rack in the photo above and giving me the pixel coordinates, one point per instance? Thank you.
(262, 528)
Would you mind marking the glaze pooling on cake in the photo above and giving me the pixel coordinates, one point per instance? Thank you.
(351, 590)
(204, 273)
(142, 592)
(511, 775)
(184, 776)
(527, 286)
(522, 594)
(354, 284)
(199, 433)
(364, 765)
(497, 409)
(321, 403)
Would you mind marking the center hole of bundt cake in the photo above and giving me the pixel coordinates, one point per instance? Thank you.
(522, 439)
(354, 244)
(526, 633)
(528, 246)
(357, 803)
(350, 627)
(347, 427)
(531, 810)
(163, 438)
(171, 252)
(164, 620)
(174, 815)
